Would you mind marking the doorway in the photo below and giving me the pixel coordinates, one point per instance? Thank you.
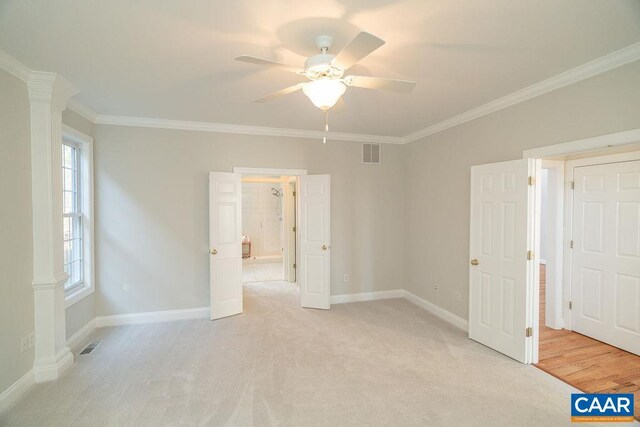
(590, 344)
(303, 258)
(263, 228)
(504, 284)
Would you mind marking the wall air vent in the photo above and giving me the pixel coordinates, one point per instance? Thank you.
(371, 154)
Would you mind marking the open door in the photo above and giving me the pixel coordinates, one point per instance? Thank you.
(605, 276)
(501, 279)
(225, 236)
(314, 233)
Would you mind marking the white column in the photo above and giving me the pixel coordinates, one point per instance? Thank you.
(48, 95)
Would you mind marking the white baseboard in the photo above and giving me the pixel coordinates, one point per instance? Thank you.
(16, 390)
(52, 370)
(366, 296)
(437, 311)
(152, 317)
(81, 336)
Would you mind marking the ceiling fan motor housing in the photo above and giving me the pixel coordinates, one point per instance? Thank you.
(319, 66)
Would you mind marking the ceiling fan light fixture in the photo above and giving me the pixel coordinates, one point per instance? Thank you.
(324, 93)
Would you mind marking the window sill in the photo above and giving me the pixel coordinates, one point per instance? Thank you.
(77, 294)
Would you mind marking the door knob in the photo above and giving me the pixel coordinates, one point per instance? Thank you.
(325, 247)
(214, 251)
(475, 262)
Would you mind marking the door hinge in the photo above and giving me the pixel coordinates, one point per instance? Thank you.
(294, 266)
(294, 229)
(294, 194)
(530, 255)
(571, 244)
(528, 332)
(570, 305)
(573, 185)
(532, 180)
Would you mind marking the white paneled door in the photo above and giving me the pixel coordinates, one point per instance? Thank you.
(605, 273)
(225, 236)
(315, 232)
(500, 305)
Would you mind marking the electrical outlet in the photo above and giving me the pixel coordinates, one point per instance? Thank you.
(346, 277)
(24, 344)
(458, 296)
(31, 339)
(435, 287)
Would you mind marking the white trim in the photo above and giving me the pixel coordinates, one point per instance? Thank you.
(588, 144)
(603, 160)
(152, 317)
(242, 129)
(14, 67)
(438, 311)
(53, 371)
(605, 63)
(81, 336)
(82, 110)
(367, 296)
(11, 395)
(269, 171)
(78, 293)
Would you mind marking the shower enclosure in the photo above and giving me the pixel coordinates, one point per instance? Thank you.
(262, 220)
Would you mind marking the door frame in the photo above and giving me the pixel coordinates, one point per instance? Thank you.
(559, 152)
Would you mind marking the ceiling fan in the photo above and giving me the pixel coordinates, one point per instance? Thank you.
(325, 72)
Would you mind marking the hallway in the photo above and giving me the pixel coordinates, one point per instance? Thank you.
(585, 363)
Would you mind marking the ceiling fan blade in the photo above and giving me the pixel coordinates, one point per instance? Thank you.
(279, 93)
(362, 45)
(394, 85)
(268, 63)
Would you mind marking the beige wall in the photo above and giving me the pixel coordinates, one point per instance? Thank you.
(79, 123)
(438, 168)
(152, 212)
(83, 311)
(16, 260)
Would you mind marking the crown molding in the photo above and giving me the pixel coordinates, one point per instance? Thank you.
(242, 129)
(82, 110)
(14, 67)
(605, 63)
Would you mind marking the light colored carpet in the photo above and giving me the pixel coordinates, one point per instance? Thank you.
(370, 363)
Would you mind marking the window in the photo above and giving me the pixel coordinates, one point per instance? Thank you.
(72, 214)
(77, 215)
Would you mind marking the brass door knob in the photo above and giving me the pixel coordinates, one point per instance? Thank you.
(475, 262)
(325, 247)
(214, 251)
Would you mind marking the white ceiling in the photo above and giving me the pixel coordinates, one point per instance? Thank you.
(174, 59)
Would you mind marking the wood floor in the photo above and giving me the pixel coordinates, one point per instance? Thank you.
(587, 364)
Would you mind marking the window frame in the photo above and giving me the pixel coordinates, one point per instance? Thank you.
(84, 143)
(77, 214)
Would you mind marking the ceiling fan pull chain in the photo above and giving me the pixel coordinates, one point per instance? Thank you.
(326, 125)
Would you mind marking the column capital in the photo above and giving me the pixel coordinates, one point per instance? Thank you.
(51, 88)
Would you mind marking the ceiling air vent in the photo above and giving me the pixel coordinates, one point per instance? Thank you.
(371, 154)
